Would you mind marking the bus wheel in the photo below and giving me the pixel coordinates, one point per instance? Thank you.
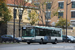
(28, 42)
(69, 41)
(40, 43)
(55, 42)
(44, 43)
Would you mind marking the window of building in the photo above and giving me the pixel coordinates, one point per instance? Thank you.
(73, 14)
(73, 23)
(37, 4)
(73, 4)
(60, 14)
(29, 11)
(29, 1)
(48, 6)
(35, 0)
(48, 15)
(61, 5)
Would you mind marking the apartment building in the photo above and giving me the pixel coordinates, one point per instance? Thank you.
(28, 7)
(63, 7)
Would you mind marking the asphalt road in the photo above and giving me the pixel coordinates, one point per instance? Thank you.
(36, 46)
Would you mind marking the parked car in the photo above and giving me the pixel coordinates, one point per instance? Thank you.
(10, 38)
(69, 38)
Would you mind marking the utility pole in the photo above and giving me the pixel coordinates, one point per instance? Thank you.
(66, 16)
(20, 17)
(19, 25)
(14, 22)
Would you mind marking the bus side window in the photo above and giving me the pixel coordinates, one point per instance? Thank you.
(36, 32)
(59, 34)
(52, 33)
(49, 32)
(32, 33)
(55, 33)
(24, 32)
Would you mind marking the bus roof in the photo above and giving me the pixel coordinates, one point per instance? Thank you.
(44, 27)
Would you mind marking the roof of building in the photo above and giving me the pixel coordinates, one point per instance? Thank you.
(18, 2)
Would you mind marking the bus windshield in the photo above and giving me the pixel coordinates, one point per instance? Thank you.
(29, 32)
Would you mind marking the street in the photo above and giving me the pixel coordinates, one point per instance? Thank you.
(36, 46)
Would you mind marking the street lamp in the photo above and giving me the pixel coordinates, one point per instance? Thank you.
(20, 17)
(66, 16)
(14, 14)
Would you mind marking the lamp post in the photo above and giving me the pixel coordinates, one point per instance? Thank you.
(20, 16)
(66, 16)
(14, 14)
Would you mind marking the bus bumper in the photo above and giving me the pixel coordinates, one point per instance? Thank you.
(28, 40)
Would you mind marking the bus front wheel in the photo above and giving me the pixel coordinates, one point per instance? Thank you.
(55, 42)
(28, 42)
(41, 41)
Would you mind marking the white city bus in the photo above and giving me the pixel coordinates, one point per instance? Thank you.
(41, 34)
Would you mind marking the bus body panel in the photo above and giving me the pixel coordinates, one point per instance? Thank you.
(39, 37)
(58, 38)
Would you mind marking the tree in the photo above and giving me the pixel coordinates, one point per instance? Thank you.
(43, 8)
(62, 23)
(33, 16)
(4, 12)
(4, 17)
(25, 5)
(21, 3)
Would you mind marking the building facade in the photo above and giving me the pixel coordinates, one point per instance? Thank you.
(47, 13)
(26, 9)
(63, 7)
